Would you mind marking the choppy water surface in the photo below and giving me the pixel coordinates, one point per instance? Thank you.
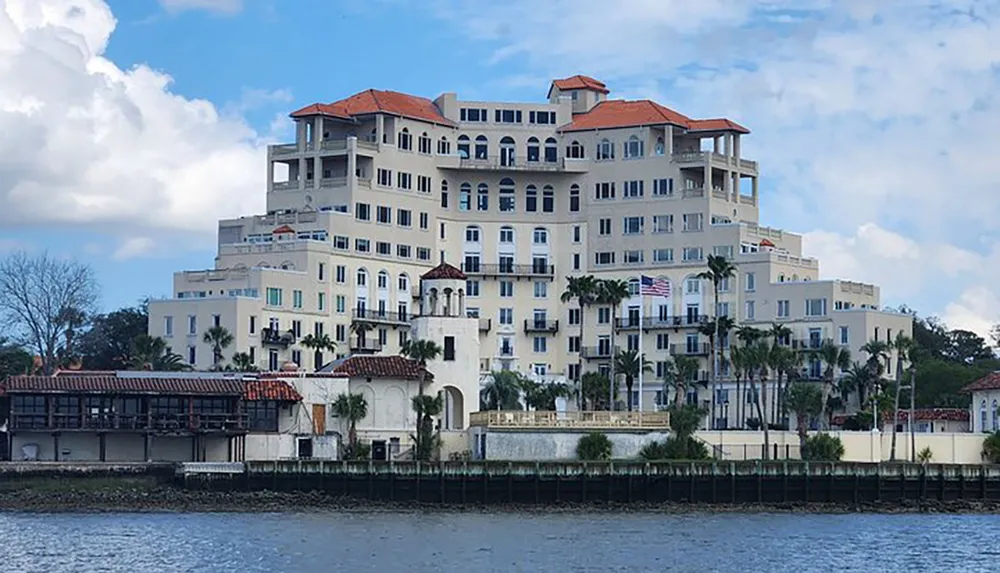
(441, 542)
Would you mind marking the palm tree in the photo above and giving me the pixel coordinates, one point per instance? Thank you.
(903, 346)
(612, 292)
(685, 369)
(748, 335)
(353, 408)
(757, 365)
(152, 353)
(783, 362)
(806, 401)
(422, 351)
(724, 325)
(360, 329)
(628, 363)
(219, 338)
(503, 391)
(243, 363)
(543, 396)
(318, 344)
(858, 378)
(834, 358)
(878, 353)
(738, 363)
(426, 407)
(719, 270)
(584, 290)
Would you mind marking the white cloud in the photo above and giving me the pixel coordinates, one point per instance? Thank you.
(133, 247)
(83, 142)
(218, 6)
(871, 120)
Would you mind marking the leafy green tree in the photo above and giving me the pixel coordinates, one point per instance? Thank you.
(219, 338)
(833, 357)
(991, 448)
(823, 448)
(426, 408)
(594, 390)
(543, 397)
(107, 344)
(14, 360)
(353, 408)
(967, 347)
(503, 391)
(595, 446)
(243, 363)
(152, 353)
(318, 344)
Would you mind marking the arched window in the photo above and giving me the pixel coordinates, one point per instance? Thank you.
(444, 193)
(540, 236)
(482, 147)
(362, 277)
(483, 197)
(548, 199)
(574, 198)
(982, 417)
(996, 416)
(465, 197)
(633, 148)
(506, 235)
(507, 151)
(605, 150)
(403, 283)
(534, 149)
(530, 199)
(463, 147)
(633, 288)
(444, 146)
(472, 234)
(551, 150)
(575, 151)
(405, 140)
(383, 280)
(507, 195)
(660, 147)
(424, 144)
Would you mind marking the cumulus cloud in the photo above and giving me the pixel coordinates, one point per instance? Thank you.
(83, 142)
(871, 119)
(219, 6)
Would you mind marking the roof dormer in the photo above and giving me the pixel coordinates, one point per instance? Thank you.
(585, 91)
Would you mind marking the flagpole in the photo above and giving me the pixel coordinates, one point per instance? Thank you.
(641, 301)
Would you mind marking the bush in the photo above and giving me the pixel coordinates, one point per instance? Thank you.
(925, 455)
(823, 448)
(675, 449)
(594, 447)
(991, 448)
(360, 452)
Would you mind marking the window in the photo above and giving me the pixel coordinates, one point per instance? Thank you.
(424, 221)
(530, 199)
(548, 199)
(404, 218)
(444, 146)
(449, 349)
(482, 148)
(405, 140)
(574, 316)
(633, 148)
(551, 150)
(603, 191)
(423, 184)
(632, 225)
(632, 189)
(383, 248)
(362, 245)
(341, 242)
(362, 211)
(845, 335)
(463, 147)
(192, 355)
(296, 299)
(816, 307)
(506, 316)
(506, 235)
(693, 221)
(576, 261)
(542, 117)
(506, 196)
(465, 197)
(321, 272)
(540, 236)
(539, 344)
(384, 177)
(692, 286)
(341, 303)
(574, 198)
(444, 194)
(472, 287)
(541, 289)
(632, 257)
(783, 309)
(603, 315)
(506, 289)
(424, 144)
(262, 415)
(604, 227)
(507, 115)
(383, 214)
(273, 299)
(423, 254)
(750, 282)
(472, 234)
(483, 197)
(404, 181)
(341, 274)
(472, 114)
(168, 325)
(297, 328)
(663, 223)
(575, 151)
(605, 150)
(663, 255)
(723, 251)
(724, 284)
(663, 187)
(534, 149)
(692, 254)
(604, 258)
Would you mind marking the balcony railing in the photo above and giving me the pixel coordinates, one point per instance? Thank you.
(161, 423)
(511, 270)
(659, 322)
(699, 349)
(506, 351)
(578, 420)
(810, 344)
(380, 316)
(591, 352)
(512, 163)
(365, 346)
(485, 324)
(275, 337)
(536, 325)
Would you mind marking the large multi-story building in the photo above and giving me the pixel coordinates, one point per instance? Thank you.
(382, 186)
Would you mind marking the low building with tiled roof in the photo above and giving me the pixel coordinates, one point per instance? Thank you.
(392, 367)
(444, 271)
(984, 411)
(933, 420)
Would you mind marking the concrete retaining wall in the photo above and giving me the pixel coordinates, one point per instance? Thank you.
(549, 446)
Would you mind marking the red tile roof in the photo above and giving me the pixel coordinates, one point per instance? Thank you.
(579, 82)
(381, 367)
(628, 113)
(105, 384)
(931, 414)
(282, 230)
(378, 101)
(444, 271)
(989, 382)
(271, 390)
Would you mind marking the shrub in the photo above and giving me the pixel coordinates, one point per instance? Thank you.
(823, 448)
(991, 448)
(360, 452)
(593, 447)
(675, 449)
(925, 455)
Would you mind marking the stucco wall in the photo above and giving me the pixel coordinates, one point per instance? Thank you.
(85, 446)
(530, 446)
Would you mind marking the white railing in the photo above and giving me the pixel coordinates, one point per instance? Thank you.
(284, 149)
(579, 420)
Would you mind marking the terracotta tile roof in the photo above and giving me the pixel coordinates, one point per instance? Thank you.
(989, 382)
(376, 101)
(381, 367)
(111, 384)
(271, 390)
(282, 230)
(630, 113)
(931, 414)
(444, 271)
(579, 82)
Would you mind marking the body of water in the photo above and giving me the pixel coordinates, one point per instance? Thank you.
(481, 542)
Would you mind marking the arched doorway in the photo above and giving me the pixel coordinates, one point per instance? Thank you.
(453, 413)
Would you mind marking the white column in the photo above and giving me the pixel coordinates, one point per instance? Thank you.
(352, 163)
(302, 173)
(669, 143)
(300, 134)
(317, 170)
(270, 172)
(708, 173)
(736, 147)
(715, 143)
(379, 128)
(754, 179)
(727, 144)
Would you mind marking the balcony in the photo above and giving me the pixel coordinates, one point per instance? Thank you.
(506, 351)
(576, 420)
(660, 322)
(810, 344)
(699, 349)
(375, 316)
(147, 422)
(275, 337)
(545, 326)
(485, 324)
(718, 160)
(509, 270)
(365, 346)
(598, 352)
(508, 163)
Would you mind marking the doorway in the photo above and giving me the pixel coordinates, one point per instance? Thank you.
(305, 448)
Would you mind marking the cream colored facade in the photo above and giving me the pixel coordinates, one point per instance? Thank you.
(358, 208)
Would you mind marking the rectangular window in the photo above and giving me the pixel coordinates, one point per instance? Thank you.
(693, 222)
(663, 223)
(403, 251)
(506, 289)
(663, 255)
(574, 316)
(168, 326)
(383, 248)
(384, 177)
(604, 190)
(750, 311)
(297, 328)
(423, 183)
(321, 272)
(603, 315)
(472, 287)
(539, 344)
(423, 254)
(341, 302)
(750, 282)
(273, 296)
(253, 325)
(573, 344)
(341, 242)
(816, 307)
(663, 187)
(604, 227)
(362, 212)
(424, 221)
(507, 115)
(633, 189)
(542, 117)
(604, 258)
(541, 289)
(506, 316)
(383, 214)
(633, 225)
(576, 261)
(321, 301)
(692, 254)
(576, 233)
(845, 335)
(341, 274)
(192, 354)
(783, 309)
(632, 257)
(296, 299)
(362, 245)
(723, 251)
(404, 181)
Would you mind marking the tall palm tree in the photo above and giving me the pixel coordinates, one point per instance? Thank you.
(353, 408)
(878, 355)
(738, 364)
(422, 351)
(318, 344)
(243, 363)
(757, 362)
(806, 401)
(857, 379)
(152, 353)
(360, 328)
(834, 357)
(685, 369)
(584, 290)
(903, 346)
(503, 391)
(628, 363)
(426, 407)
(719, 270)
(612, 292)
(723, 325)
(784, 363)
(748, 335)
(219, 338)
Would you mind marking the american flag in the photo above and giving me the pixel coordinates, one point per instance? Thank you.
(654, 287)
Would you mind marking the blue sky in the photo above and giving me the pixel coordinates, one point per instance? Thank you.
(133, 125)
